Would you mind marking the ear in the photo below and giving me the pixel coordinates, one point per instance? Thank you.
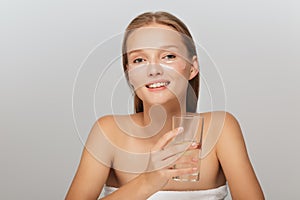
(194, 68)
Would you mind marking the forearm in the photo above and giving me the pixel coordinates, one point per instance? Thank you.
(136, 189)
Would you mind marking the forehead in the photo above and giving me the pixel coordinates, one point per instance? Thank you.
(156, 37)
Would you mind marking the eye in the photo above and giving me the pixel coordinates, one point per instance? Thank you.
(138, 60)
(169, 56)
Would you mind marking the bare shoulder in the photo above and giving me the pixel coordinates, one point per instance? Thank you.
(220, 115)
(105, 121)
(232, 154)
(112, 121)
(107, 127)
(115, 127)
(224, 124)
(231, 130)
(223, 120)
(95, 163)
(216, 123)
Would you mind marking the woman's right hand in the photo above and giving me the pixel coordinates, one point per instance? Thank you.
(162, 159)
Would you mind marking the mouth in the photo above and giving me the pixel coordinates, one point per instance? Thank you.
(159, 84)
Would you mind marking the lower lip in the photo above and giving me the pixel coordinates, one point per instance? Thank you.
(157, 89)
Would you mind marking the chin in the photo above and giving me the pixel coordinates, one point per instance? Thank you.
(163, 97)
(165, 101)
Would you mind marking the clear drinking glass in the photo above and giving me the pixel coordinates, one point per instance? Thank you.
(192, 133)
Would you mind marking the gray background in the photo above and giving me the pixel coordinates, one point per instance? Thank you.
(255, 45)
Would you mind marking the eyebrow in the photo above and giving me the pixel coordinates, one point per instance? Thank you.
(165, 47)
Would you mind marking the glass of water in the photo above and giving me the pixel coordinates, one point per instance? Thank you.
(192, 133)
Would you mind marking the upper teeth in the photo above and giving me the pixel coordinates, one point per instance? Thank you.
(159, 84)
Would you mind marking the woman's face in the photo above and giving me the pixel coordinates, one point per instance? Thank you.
(159, 65)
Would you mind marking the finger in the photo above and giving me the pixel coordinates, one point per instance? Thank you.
(183, 159)
(194, 145)
(177, 149)
(164, 163)
(168, 152)
(165, 158)
(173, 151)
(186, 162)
(178, 172)
(178, 159)
(166, 138)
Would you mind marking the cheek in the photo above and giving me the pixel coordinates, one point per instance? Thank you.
(183, 70)
(139, 93)
(137, 77)
(179, 82)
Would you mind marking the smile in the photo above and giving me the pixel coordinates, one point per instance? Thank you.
(158, 84)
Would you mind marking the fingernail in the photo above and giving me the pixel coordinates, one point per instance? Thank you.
(194, 144)
(180, 130)
(195, 169)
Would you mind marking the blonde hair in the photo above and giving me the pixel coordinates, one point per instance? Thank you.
(170, 20)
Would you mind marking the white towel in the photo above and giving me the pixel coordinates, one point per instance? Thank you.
(212, 194)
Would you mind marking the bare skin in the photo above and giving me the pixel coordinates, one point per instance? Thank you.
(227, 161)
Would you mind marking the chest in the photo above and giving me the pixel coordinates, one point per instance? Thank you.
(131, 157)
(210, 173)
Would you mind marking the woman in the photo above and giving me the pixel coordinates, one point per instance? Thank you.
(161, 65)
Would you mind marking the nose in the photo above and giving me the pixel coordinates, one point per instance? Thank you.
(154, 70)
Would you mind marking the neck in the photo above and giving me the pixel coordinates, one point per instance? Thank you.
(155, 114)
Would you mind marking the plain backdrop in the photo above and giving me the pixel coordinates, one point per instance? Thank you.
(255, 45)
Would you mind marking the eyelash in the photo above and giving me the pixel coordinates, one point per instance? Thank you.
(169, 56)
(135, 60)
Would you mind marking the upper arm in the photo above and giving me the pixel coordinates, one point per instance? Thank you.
(233, 157)
(94, 166)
